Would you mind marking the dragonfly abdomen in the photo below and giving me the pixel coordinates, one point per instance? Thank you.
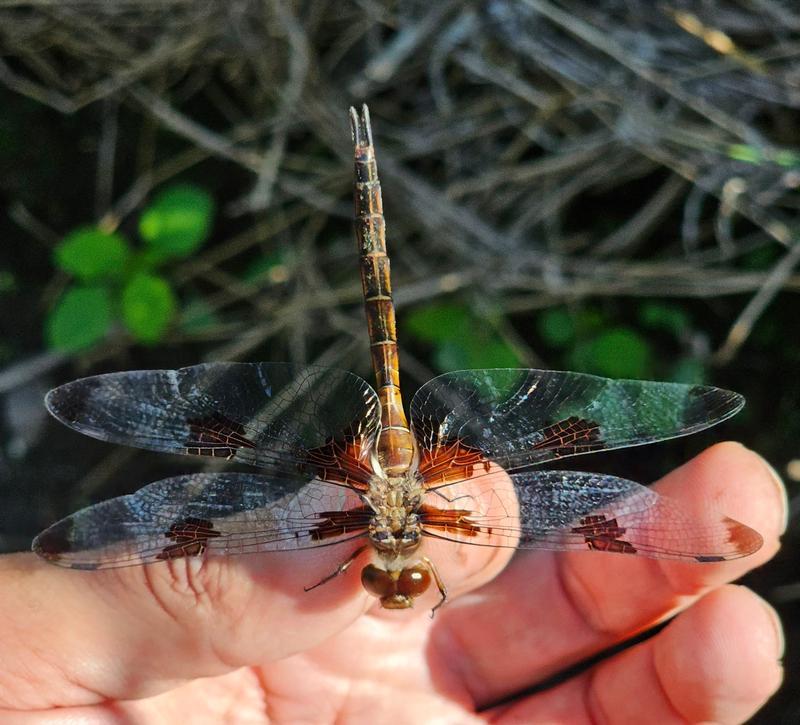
(395, 446)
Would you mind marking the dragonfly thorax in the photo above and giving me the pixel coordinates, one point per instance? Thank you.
(395, 529)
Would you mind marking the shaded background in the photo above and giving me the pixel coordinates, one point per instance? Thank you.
(606, 186)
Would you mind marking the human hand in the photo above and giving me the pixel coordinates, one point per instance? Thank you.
(237, 640)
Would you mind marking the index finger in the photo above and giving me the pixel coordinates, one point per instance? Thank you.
(548, 611)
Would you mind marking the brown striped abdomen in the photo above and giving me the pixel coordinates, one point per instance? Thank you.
(395, 445)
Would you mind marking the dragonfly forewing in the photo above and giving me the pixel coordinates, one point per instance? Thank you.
(520, 417)
(268, 415)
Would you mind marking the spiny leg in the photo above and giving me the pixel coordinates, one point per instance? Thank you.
(439, 583)
(341, 569)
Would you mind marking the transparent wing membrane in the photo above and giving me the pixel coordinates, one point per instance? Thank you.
(314, 430)
(519, 417)
(270, 415)
(204, 514)
(568, 510)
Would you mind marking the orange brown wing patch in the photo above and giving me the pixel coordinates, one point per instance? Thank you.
(344, 462)
(451, 521)
(450, 462)
(569, 436)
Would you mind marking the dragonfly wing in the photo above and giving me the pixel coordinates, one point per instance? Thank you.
(264, 414)
(519, 417)
(204, 514)
(562, 510)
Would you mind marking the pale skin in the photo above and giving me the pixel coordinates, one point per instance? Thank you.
(229, 641)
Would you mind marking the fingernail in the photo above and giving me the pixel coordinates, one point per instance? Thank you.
(780, 640)
(781, 488)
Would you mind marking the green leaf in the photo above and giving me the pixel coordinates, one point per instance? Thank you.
(436, 323)
(744, 152)
(787, 158)
(80, 319)
(178, 220)
(659, 316)
(148, 306)
(91, 254)
(474, 352)
(460, 339)
(556, 327)
(589, 320)
(616, 353)
(492, 353)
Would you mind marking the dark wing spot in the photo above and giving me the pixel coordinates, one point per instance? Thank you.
(54, 541)
(743, 538)
(603, 534)
(191, 537)
(216, 435)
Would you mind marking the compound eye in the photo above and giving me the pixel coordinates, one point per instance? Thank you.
(378, 582)
(414, 580)
(380, 535)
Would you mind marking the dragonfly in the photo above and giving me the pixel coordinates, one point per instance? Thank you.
(339, 462)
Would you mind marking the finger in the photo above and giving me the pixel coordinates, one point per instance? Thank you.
(717, 662)
(547, 611)
(77, 638)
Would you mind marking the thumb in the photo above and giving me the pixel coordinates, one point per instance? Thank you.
(80, 637)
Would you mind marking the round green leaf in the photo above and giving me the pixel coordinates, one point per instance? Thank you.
(439, 322)
(90, 253)
(556, 327)
(178, 221)
(148, 306)
(493, 352)
(80, 318)
(616, 353)
(668, 317)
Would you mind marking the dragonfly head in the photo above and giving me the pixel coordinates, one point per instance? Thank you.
(396, 589)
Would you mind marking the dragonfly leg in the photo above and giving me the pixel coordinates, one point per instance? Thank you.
(341, 569)
(448, 499)
(439, 583)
